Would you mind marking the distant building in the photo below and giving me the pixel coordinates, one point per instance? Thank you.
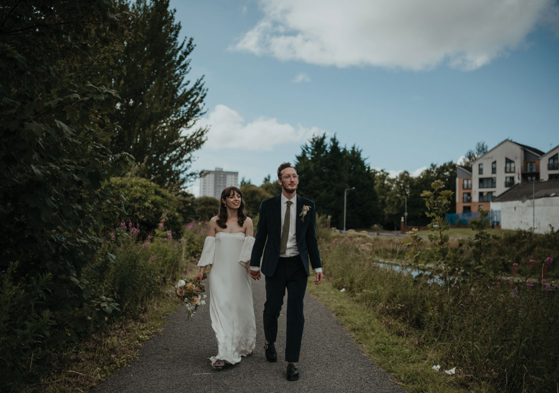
(212, 183)
(498, 170)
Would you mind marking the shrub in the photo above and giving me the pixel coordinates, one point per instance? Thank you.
(145, 204)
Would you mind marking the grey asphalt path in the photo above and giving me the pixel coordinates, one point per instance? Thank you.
(178, 359)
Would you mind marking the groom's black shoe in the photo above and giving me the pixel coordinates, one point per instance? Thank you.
(292, 372)
(271, 354)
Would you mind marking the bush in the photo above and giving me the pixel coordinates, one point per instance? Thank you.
(146, 205)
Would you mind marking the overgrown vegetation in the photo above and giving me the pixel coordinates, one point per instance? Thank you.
(497, 329)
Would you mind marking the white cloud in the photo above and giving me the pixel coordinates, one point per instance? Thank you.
(228, 130)
(407, 34)
(302, 77)
(393, 173)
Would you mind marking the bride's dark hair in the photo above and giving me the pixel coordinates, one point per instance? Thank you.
(222, 215)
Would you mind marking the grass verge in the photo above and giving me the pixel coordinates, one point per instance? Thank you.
(89, 363)
(388, 344)
(466, 232)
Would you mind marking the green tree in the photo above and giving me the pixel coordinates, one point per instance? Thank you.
(272, 187)
(253, 196)
(327, 170)
(54, 57)
(206, 207)
(474, 154)
(159, 107)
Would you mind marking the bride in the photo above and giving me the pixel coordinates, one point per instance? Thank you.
(228, 247)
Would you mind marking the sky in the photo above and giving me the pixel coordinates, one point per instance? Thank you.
(409, 83)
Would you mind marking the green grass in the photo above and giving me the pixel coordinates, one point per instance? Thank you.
(388, 344)
(466, 232)
(86, 365)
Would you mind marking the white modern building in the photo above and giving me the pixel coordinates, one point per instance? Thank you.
(213, 182)
(549, 165)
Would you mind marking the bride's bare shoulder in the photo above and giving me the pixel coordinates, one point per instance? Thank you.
(213, 221)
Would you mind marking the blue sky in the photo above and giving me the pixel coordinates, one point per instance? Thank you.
(410, 83)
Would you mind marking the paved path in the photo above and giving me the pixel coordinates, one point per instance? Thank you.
(177, 360)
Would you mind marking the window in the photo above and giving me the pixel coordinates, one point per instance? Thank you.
(467, 197)
(553, 162)
(509, 181)
(531, 178)
(554, 176)
(530, 166)
(494, 167)
(509, 166)
(467, 184)
(487, 182)
(485, 196)
(467, 209)
(481, 169)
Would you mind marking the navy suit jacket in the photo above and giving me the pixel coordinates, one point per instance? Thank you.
(269, 228)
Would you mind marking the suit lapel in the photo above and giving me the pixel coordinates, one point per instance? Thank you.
(277, 212)
(298, 218)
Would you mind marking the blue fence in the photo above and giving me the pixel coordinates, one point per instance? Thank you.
(464, 218)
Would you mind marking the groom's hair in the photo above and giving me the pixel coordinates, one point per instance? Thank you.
(282, 167)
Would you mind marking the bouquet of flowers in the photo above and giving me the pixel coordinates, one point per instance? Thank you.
(190, 293)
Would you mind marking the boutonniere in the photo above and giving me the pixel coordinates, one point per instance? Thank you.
(304, 212)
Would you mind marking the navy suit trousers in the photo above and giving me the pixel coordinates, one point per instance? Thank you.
(291, 274)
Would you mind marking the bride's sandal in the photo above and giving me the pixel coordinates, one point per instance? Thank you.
(218, 364)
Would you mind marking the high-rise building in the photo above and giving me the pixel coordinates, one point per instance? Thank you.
(212, 183)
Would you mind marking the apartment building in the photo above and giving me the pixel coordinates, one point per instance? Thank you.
(550, 165)
(498, 170)
(212, 183)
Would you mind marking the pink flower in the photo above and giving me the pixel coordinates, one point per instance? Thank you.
(548, 288)
(160, 225)
(130, 225)
(515, 296)
(146, 244)
(123, 225)
(548, 260)
(531, 261)
(153, 258)
(515, 264)
(544, 281)
(530, 284)
(170, 235)
(150, 237)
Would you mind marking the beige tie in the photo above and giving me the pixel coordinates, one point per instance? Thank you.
(285, 229)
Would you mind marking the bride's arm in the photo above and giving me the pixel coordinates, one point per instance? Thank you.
(211, 232)
(249, 231)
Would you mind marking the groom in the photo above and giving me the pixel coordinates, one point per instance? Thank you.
(288, 223)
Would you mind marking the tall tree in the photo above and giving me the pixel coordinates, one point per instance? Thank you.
(159, 107)
(327, 170)
(54, 56)
(474, 154)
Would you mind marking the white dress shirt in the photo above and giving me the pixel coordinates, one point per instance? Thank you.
(291, 249)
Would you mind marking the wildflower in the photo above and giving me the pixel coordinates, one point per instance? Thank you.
(146, 244)
(436, 367)
(150, 237)
(153, 258)
(498, 278)
(548, 288)
(515, 296)
(170, 235)
(548, 261)
(130, 225)
(531, 261)
(544, 281)
(161, 225)
(123, 225)
(530, 284)
(462, 304)
(515, 264)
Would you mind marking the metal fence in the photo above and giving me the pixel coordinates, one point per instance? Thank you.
(494, 217)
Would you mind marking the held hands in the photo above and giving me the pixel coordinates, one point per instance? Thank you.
(255, 274)
(318, 279)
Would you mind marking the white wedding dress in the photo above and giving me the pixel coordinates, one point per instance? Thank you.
(231, 306)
